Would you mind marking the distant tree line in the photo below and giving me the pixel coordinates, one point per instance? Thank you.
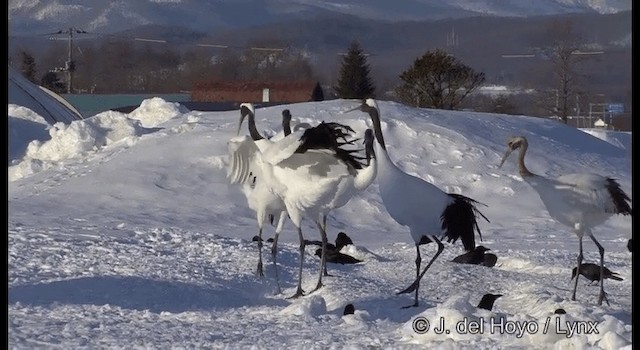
(124, 66)
(437, 79)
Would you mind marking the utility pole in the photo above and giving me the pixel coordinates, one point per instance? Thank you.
(70, 65)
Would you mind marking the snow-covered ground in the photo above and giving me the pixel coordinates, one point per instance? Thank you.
(124, 233)
(620, 139)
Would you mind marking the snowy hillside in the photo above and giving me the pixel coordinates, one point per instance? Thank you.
(124, 232)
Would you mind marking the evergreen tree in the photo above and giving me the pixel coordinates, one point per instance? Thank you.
(354, 81)
(28, 67)
(437, 80)
(317, 94)
(51, 81)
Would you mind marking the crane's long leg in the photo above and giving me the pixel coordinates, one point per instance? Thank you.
(259, 271)
(274, 249)
(324, 227)
(299, 291)
(323, 256)
(575, 284)
(416, 284)
(603, 295)
(418, 261)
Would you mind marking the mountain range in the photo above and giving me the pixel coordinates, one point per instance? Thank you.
(44, 16)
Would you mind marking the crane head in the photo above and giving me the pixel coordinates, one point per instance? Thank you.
(482, 249)
(245, 110)
(513, 144)
(286, 116)
(371, 103)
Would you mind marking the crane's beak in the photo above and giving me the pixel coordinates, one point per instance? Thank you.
(242, 116)
(359, 107)
(504, 158)
(351, 110)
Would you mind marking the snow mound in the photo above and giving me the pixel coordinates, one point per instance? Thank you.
(155, 111)
(312, 306)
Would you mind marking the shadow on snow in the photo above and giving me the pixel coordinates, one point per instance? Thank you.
(143, 294)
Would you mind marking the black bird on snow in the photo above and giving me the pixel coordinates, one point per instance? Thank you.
(487, 301)
(592, 273)
(330, 246)
(349, 309)
(342, 240)
(489, 260)
(256, 238)
(475, 256)
(334, 256)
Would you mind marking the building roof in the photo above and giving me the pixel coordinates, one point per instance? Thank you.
(49, 105)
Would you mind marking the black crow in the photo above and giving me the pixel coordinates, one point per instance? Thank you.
(475, 256)
(489, 260)
(592, 273)
(256, 238)
(487, 301)
(337, 257)
(342, 240)
(349, 309)
(330, 246)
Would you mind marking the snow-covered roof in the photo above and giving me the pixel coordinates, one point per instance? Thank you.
(51, 106)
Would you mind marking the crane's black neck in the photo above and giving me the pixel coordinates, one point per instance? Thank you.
(368, 146)
(286, 122)
(287, 128)
(253, 131)
(375, 119)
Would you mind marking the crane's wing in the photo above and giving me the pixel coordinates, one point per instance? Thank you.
(329, 136)
(594, 190)
(283, 148)
(244, 160)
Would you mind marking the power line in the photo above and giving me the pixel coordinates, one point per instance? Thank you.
(70, 65)
(150, 40)
(175, 42)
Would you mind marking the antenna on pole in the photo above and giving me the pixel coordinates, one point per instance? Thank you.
(70, 65)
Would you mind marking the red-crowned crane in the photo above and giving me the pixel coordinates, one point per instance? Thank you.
(425, 209)
(259, 198)
(310, 171)
(580, 201)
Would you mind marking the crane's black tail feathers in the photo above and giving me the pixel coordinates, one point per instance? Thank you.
(459, 221)
(332, 136)
(619, 198)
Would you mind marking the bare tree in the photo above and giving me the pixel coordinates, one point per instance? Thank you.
(565, 58)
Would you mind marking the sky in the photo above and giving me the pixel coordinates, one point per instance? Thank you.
(124, 232)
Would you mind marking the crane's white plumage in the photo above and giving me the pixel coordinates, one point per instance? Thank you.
(426, 210)
(310, 171)
(580, 201)
(260, 198)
